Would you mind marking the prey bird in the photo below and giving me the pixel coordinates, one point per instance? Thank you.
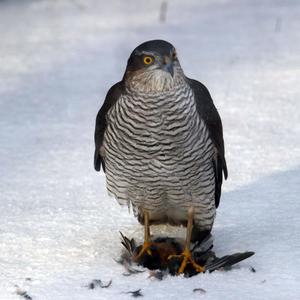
(159, 140)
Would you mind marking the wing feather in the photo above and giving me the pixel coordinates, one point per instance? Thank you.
(211, 117)
(111, 98)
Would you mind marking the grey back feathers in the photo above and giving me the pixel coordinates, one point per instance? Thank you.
(159, 139)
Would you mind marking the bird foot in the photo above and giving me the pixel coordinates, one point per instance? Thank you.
(186, 259)
(145, 250)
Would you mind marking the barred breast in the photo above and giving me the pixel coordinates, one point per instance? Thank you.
(158, 156)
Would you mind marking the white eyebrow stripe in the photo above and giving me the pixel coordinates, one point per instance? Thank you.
(146, 53)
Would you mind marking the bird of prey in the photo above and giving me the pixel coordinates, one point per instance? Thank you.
(159, 139)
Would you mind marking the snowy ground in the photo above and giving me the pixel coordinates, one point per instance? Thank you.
(57, 225)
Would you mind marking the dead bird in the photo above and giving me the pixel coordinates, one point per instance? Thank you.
(164, 254)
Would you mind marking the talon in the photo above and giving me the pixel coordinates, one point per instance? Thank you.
(187, 259)
(185, 256)
(145, 249)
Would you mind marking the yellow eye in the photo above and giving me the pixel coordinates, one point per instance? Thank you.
(148, 60)
(174, 55)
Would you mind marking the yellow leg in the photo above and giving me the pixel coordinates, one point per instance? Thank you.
(186, 254)
(146, 226)
(147, 242)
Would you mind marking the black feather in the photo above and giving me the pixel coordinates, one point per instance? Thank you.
(228, 261)
(129, 245)
(211, 117)
(111, 98)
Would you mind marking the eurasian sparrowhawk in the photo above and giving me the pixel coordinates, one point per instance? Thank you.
(159, 139)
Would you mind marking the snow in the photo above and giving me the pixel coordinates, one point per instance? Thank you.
(58, 228)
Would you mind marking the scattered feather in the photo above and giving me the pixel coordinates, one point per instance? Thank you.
(202, 291)
(136, 293)
(23, 294)
(98, 283)
(263, 281)
(130, 270)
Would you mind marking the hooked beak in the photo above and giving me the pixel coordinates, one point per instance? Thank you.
(168, 65)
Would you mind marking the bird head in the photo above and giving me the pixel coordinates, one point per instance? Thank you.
(153, 67)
